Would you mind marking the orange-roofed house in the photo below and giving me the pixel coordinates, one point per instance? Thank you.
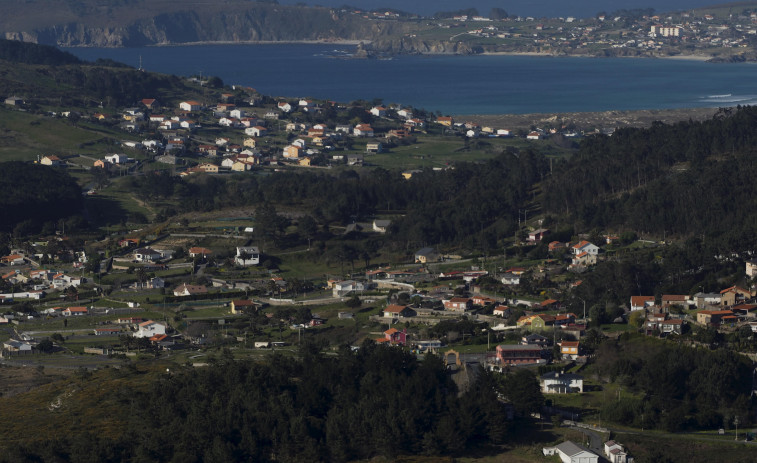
(190, 106)
(395, 337)
(445, 121)
(74, 311)
(641, 302)
(570, 349)
(550, 304)
(734, 295)
(149, 328)
(197, 251)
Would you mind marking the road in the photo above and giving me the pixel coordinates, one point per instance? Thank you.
(596, 442)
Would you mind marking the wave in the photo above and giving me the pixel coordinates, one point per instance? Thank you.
(738, 99)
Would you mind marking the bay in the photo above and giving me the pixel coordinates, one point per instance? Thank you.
(488, 84)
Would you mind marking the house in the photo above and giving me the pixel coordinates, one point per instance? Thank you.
(556, 382)
(13, 345)
(363, 130)
(284, 106)
(256, 131)
(208, 168)
(501, 311)
(397, 311)
(483, 301)
(51, 160)
(149, 328)
(427, 255)
(751, 268)
(74, 311)
(378, 111)
(534, 339)
(150, 103)
(342, 288)
(673, 326)
(395, 337)
(570, 349)
(733, 295)
(14, 101)
(374, 148)
(572, 453)
(146, 255)
(106, 331)
(515, 354)
(196, 251)
(13, 259)
(641, 302)
(615, 453)
(712, 317)
(668, 300)
(585, 246)
(533, 136)
(293, 152)
(583, 259)
(354, 159)
(190, 106)
(240, 306)
(381, 226)
(445, 121)
(458, 304)
(549, 304)
(510, 279)
(537, 235)
(701, 300)
(189, 290)
(247, 256)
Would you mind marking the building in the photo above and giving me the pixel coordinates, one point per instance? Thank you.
(149, 328)
(240, 306)
(569, 349)
(572, 453)
(712, 317)
(514, 354)
(458, 304)
(641, 302)
(537, 235)
(556, 382)
(426, 255)
(397, 311)
(247, 256)
(189, 290)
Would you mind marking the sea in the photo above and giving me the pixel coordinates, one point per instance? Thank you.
(454, 85)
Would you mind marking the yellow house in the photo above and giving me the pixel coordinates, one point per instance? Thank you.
(445, 121)
(250, 142)
(208, 168)
(240, 166)
(242, 306)
(305, 161)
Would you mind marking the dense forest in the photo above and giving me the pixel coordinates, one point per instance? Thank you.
(34, 194)
(675, 388)
(30, 53)
(377, 401)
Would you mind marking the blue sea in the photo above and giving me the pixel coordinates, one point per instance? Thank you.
(492, 84)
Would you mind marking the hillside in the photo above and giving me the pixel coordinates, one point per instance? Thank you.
(143, 22)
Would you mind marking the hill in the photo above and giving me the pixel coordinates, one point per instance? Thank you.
(147, 22)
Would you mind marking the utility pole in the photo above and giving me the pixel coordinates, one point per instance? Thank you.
(736, 422)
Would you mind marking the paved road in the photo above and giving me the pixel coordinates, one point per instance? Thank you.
(596, 442)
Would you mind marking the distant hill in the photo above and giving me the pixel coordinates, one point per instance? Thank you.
(535, 8)
(29, 53)
(149, 22)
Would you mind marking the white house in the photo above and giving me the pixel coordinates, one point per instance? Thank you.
(247, 256)
(190, 106)
(13, 345)
(116, 158)
(342, 288)
(378, 111)
(555, 382)
(256, 131)
(585, 246)
(641, 302)
(510, 279)
(616, 453)
(149, 329)
(146, 255)
(284, 106)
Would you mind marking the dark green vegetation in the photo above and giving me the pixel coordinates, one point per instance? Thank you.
(33, 195)
(378, 401)
(674, 388)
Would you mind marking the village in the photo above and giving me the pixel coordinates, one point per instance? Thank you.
(256, 282)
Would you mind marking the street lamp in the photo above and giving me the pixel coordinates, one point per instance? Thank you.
(736, 422)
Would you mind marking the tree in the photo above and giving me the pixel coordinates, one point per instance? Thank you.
(353, 302)
(522, 389)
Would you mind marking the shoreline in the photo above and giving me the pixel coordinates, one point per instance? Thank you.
(700, 58)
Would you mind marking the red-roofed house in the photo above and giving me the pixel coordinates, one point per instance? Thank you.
(395, 337)
(397, 311)
(733, 295)
(570, 349)
(641, 302)
(74, 311)
(712, 317)
(242, 306)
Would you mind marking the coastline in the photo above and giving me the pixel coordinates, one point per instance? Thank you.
(567, 55)
(262, 42)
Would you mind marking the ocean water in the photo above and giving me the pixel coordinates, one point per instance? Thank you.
(492, 84)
